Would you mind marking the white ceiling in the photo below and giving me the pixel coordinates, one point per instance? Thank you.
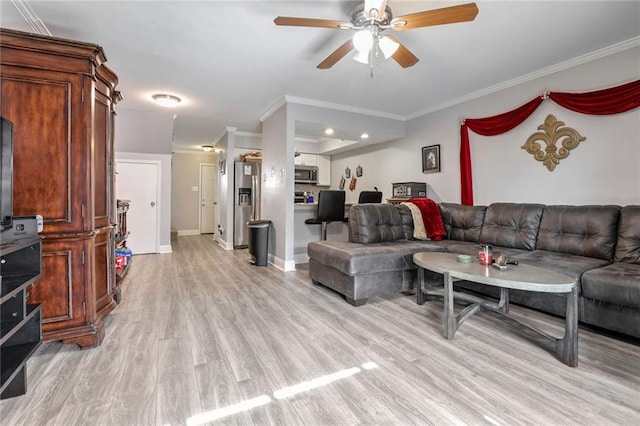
(230, 62)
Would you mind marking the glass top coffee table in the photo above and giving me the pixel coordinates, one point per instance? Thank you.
(520, 277)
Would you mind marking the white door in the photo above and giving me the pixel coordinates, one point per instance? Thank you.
(138, 183)
(208, 176)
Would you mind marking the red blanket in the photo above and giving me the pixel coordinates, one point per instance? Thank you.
(431, 216)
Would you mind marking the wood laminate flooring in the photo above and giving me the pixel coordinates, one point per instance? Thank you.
(203, 337)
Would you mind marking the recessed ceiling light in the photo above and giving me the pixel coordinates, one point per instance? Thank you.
(328, 131)
(207, 148)
(166, 100)
(364, 136)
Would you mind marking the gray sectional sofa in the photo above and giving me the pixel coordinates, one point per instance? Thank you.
(598, 245)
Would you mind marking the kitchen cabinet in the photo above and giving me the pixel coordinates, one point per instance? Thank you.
(306, 160)
(324, 169)
(61, 98)
(323, 162)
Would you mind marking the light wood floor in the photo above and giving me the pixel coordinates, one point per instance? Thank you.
(199, 332)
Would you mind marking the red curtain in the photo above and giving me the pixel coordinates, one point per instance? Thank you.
(614, 100)
(488, 126)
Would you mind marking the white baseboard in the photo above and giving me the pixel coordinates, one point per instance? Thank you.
(301, 258)
(165, 249)
(187, 232)
(225, 244)
(286, 266)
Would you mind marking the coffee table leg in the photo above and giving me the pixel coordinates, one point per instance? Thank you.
(504, 300)
(449, 323)
(420, 295)
(568, 345)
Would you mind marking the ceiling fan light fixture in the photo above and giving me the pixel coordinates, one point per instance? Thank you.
(362, 57)
(363, 41)
(166, 100)
(388, 46)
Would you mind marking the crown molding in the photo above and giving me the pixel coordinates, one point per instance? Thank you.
(579, 60)
(288, 99)
(344, 108)
(276, 106)
(193, 151)
(248, 134)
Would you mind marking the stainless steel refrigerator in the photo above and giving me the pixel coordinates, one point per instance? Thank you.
(246, 199)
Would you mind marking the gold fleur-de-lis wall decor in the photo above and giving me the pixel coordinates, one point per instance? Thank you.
(552, 132)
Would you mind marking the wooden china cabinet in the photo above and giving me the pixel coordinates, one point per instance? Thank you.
(61, 97)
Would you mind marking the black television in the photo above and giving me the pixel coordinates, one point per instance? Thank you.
(6, 173)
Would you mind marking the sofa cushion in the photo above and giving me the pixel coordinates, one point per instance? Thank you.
(464, 247)
(352, 259)
(589, 231)
(628, 244)
(511, 225)
(564, 263)
(615, 283)
(374, 223)
(462, 223)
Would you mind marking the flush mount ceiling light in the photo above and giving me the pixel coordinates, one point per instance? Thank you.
(364, 136)
(328, 131)
(207, 148)
(166, 100)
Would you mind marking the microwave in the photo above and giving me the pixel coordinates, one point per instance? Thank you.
(306, 174)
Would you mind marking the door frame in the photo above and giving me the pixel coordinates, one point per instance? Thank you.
(158, 165)
(215, 171)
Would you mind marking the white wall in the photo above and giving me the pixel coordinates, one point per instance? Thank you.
(147, 135)
(185, 203)
(278, 140)
(225, 191)
(602, 169)
(149, 132)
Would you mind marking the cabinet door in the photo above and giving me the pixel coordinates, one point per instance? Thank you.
(104, 269)
(102, 141)
(324, 170)
(306, 160)
(51, 173)
(61, 288)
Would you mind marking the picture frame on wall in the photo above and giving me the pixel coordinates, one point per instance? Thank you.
(431, 159)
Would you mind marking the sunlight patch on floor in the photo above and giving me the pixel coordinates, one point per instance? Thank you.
(279, 394)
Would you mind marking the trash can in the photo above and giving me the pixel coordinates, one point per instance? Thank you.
(259, 241)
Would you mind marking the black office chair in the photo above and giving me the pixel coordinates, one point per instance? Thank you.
(370, 197)
(330, 209)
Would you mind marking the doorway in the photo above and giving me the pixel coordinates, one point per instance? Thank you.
(138, 182)
(208, 198)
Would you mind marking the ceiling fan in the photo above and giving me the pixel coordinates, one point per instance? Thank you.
(370, 20)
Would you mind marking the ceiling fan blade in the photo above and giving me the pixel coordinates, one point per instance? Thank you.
(379, 5)
(403, 56)
(446, 15)
(310, 22)
(338, 54)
